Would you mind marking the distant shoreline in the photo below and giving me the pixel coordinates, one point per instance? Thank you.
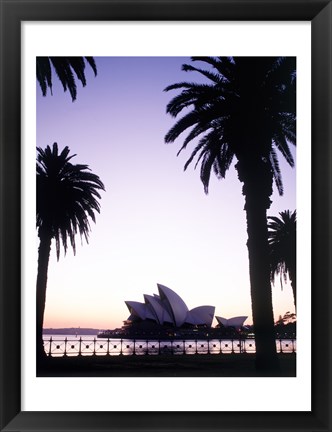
(71, 331)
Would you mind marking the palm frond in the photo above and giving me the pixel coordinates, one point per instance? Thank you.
(187, 121)
(44, 74)
(281, 144)
(92, 63)
(216, 78)
(65, 68)
(223, 65)
(64, 73)
(276, 171)
(196, 95)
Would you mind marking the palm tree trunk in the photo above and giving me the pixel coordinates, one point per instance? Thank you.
(43, 259)
(261, 293)
(292, 277)
(257, 179)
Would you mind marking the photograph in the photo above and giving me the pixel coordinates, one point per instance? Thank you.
(149, 264)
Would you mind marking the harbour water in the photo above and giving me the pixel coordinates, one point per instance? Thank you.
(85, 345)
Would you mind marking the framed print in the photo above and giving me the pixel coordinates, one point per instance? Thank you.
(36, 394)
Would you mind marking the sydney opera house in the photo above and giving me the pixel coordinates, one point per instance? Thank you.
(166, 315)
(168, 308)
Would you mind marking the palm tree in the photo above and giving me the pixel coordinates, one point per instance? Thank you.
(67, 196)
(282, 244)
(65, 67)
(246, 112)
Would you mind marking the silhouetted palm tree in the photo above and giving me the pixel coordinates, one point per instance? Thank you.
(65, 67)
(246, 111)
(67, 196)
(282, 243)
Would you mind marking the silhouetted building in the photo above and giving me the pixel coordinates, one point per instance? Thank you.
(236, 322)
(166, 315)
(167, 308)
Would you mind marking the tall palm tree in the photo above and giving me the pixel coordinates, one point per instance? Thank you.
(246, 112)
(67, 196)
(282, 244)
(65, 67)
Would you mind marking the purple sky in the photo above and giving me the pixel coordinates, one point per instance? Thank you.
(156, 224)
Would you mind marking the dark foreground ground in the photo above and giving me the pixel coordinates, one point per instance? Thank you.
(205, 365)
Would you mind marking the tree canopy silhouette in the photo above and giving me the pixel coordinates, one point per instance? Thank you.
(246, 112)
(67, 197)
(282, 245)
(65, 68)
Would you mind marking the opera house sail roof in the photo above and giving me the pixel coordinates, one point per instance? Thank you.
(168, 307)
(236, 322)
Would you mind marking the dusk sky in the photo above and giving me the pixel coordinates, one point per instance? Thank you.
(156, 224)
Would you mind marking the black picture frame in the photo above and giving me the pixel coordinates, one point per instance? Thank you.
(12, 13)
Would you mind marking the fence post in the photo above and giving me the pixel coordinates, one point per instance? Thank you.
(50, 349)
(80, 347)
(94, 346)
(134, 353)
(65, 353)
(121, 347)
